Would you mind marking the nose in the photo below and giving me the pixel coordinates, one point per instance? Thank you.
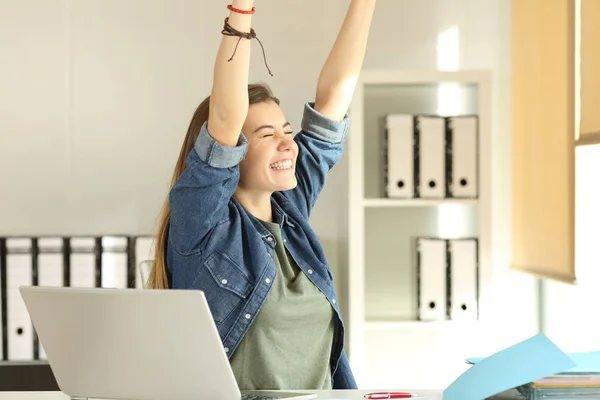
(285, 142)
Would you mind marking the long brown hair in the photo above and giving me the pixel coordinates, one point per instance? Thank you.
(257, 93)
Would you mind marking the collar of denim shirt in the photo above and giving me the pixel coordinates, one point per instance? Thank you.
(279, 215)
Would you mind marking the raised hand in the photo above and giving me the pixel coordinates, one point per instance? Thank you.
(339, 75)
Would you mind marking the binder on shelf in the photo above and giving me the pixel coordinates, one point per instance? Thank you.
(144, 250)
(50, 262)
(115, 262)
(81, 255)
(464, 278)
(108, 262)
(19, 272)
(431, 279)
(399, 156)
(431, 175)
(462, 156)
(50, 272)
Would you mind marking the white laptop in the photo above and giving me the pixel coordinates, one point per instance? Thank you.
(134, 344)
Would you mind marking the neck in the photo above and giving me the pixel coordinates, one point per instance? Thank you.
(256, 203)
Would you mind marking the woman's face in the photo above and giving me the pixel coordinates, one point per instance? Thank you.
(270, 163)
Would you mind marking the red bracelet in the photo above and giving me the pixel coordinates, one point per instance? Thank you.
(230, 7)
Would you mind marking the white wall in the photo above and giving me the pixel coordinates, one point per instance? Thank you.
(569, 311)
(96, 96)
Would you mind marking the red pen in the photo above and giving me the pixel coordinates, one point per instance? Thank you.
(389, 395)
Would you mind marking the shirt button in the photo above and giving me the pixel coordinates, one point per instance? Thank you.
(226, 349)
(269, 238)
(248, 316)
(224, 281)
(310, 271)
(284, 240)
(268, 280)
(333, 301)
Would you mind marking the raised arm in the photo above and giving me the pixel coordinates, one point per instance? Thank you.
(200, 196)
(325, 124)
(229, 95)
(339, 75)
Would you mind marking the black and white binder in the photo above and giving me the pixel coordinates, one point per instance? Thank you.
(50, 262)
(82, 262)
(431, 176)
(115, 262)
(431, 279)
(464, 278)
(463, 156)
(49, 272)
(399, 156)
(19, 272)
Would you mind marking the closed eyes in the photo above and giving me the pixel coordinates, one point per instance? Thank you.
(271, 134)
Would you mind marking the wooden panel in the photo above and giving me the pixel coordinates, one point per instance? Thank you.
(34, 376)
(590, 71)
(543, 135)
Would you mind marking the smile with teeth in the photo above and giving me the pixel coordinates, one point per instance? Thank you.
(281, 165)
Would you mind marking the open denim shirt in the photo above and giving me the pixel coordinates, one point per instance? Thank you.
(216, 246)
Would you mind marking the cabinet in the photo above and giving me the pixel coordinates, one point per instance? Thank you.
(387, 344)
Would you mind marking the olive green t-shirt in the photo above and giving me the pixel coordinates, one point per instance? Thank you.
(288, 345)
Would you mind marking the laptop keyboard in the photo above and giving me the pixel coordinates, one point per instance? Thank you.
(250, 396)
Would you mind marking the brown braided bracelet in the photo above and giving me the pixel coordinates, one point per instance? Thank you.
(229, 31)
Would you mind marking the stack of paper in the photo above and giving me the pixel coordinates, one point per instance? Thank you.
(579, 386)
(536, 367)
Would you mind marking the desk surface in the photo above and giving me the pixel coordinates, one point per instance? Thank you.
(323, 394)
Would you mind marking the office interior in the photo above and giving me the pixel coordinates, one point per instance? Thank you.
(96, 97)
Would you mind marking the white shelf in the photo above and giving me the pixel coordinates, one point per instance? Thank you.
(420, 325)
(415, 202)
(381, 230)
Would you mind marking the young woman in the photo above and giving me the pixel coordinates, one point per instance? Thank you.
(235, 224)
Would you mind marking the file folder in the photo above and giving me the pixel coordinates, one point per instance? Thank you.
(464, 278)
(431, 279)
(399, 156)
(462, 138)
(144, 250)
(49, 273)
(432, 156)
(115, 261)
(19, 262)
(82, 262)
(50, 262)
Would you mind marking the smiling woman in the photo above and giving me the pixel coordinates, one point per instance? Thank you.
(235, 224)
(269, 163)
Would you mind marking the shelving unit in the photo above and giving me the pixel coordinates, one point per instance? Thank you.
(381, 203)
(387, 345)
(418, 325)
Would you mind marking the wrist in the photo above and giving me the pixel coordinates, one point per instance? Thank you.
(242, 4)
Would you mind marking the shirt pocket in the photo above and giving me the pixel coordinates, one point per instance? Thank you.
(225, 285)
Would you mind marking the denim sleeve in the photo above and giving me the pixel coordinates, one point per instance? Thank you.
(343, 377)
(320, 146)
(199, 198)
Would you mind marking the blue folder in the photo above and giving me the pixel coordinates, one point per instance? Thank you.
(525, 362)
(585, 362)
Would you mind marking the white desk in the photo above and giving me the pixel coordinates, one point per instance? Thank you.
(323, 394)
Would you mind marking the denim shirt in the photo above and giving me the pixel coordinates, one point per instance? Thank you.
(216, 246)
